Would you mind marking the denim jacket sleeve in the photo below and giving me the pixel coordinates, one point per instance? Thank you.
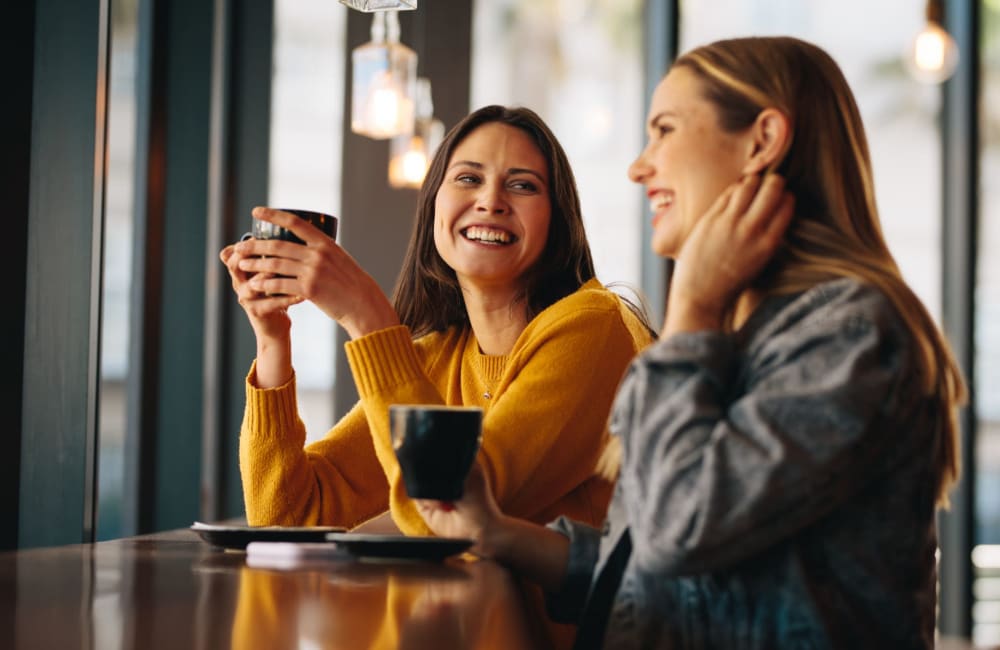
(565, 605)
(731, 445)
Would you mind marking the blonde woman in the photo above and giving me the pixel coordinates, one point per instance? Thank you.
(783, 448)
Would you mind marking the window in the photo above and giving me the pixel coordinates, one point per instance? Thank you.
(306, 117)
(117, 271)
(986, 556)
(578, 64)
(899, 113)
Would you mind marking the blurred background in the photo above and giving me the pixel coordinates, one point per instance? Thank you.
(587, 66)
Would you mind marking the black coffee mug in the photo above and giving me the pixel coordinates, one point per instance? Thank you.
(435, 446)
(267, 230)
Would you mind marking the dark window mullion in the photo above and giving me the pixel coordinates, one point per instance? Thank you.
(960, 191)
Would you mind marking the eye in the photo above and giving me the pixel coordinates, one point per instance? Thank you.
(465, 178)
(523, 185)
(662, 129)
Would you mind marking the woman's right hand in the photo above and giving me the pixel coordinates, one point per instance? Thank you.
(269, 319)
(268, 315)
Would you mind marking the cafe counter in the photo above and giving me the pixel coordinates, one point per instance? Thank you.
(173, 590)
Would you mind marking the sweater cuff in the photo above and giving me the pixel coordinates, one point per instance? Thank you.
(383, 359)
(274, 408)
(566, 605)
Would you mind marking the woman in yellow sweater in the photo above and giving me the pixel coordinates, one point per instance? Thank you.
(497, 306)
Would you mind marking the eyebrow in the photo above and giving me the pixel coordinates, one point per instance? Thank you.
(656, 118)
(510, 171)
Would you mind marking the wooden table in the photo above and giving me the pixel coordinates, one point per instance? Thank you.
(172, 590)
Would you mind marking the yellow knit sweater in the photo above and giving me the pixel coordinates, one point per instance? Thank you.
(545, 413)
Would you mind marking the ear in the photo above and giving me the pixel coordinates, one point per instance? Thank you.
(770, 135)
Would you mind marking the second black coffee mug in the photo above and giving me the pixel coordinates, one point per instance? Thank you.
(436, 446)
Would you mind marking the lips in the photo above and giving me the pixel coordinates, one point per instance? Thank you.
(489, 235)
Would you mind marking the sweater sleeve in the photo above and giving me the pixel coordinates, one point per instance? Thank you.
(387, 370)
(546, 429)
(336, 481)
(546, 424)
(719, 465)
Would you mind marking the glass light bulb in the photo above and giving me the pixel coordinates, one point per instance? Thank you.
(369, 6)
(408, 161)
(933, 55)
(384, 78)
(410, 155)
(383, 110)
(414, 166)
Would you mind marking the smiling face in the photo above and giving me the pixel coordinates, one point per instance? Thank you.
(688, 161)
(492, 210)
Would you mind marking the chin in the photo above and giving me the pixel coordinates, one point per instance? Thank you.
(663, 247)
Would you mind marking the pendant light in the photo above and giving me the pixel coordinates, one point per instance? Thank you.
(932, 55)
(410, 154)
(384, 81)
(369, 6)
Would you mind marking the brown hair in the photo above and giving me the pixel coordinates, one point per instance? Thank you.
(836, 230)
(428, 297)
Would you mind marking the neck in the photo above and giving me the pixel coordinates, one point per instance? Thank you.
(497, 319)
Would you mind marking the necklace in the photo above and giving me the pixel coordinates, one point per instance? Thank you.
(486, 368)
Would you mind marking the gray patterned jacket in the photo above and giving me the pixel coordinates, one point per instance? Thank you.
(778, 486)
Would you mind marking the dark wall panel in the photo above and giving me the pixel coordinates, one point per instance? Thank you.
(18, 51)
(163, 475)
(60, 342)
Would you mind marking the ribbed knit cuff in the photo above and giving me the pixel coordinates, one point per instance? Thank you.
(273, 408)
(383, 359)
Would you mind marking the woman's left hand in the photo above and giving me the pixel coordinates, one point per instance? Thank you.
(319, 271)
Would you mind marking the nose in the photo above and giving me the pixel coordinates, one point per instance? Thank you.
(490, 199)
(640, 169)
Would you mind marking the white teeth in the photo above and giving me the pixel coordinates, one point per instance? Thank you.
(481, 233)
(660, 202)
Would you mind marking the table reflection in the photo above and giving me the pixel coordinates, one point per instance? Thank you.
(356, 604)
(174, 591)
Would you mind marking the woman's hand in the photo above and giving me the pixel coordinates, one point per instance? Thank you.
(474, 516)
(268, 314)
(319, 271)
(726, 250)
(268, 317)
(533, 551)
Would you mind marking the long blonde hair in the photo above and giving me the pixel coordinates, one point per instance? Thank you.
(835, 231)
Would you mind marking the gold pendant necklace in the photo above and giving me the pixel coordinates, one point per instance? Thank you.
(484, 368)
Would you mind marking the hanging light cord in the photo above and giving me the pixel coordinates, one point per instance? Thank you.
(935, 12)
